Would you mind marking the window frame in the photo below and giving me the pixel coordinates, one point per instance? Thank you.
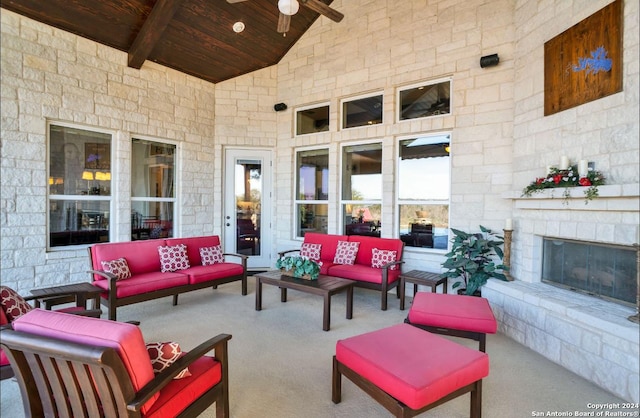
(296, 198)
(176, 176)
(425, 83)
(346, 100)
(51, 198)
(425, 202)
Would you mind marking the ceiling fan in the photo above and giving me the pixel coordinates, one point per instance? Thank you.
(289, 8)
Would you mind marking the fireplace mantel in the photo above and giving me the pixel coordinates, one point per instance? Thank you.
(614, 197)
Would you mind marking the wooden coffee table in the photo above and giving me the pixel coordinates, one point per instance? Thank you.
(325, 286)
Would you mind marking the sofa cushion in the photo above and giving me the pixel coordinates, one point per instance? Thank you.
(193, 246)
(211, 255)
(142, 256)
(413, 366)
(13, 305)
(173, 257)
(381, 257)
(118, 268)
(146, 282)
(163, 355)
(367, 244)
(199, 274)
(328, 242)
(346, 252)
(361, 273)
(311, 251)
(125, 338)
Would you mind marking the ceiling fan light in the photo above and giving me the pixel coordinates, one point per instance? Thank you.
(288, 7)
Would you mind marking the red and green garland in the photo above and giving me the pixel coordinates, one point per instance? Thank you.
(567, 178)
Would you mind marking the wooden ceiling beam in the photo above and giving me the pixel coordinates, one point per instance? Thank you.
(151, 31)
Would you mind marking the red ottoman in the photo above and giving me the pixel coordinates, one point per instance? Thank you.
(409, 371)
(455, 315)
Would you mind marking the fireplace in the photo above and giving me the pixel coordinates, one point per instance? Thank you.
(601, 270)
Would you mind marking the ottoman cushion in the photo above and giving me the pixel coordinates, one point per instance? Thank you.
(468, 313)
(415, 367)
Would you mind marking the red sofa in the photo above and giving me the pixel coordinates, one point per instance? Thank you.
(148, 282)
(362, 272)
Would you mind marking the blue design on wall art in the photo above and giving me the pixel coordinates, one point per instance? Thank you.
(598, 62)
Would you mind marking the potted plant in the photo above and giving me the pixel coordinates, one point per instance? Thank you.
(298, 266)
(472, 260)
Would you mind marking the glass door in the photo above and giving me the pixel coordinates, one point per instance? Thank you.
(248, 205)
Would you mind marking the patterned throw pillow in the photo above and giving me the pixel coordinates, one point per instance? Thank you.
(346, 252)
(173, 258)
(13, 305)
(211, 255)
(311, 251)
(163, 355)
(118, 268)
(381, 257)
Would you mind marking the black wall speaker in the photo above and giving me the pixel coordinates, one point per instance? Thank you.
(279, 107)
(489, 60)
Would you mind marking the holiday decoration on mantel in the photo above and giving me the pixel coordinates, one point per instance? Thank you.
(567, 176)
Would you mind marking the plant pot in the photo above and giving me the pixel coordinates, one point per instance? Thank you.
(290, 273)
(477, 293)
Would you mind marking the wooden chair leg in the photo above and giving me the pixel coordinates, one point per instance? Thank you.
(336, 387)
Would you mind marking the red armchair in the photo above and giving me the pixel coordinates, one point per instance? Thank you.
(68, 365)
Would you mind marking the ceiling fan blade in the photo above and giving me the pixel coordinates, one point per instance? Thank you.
(283, 23)
(323, 9)
(235, 1)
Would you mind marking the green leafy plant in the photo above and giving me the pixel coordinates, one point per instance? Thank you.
(472, 259)
(567, 178)
(299, 266)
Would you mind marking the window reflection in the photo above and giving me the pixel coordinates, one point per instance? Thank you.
(312, 191)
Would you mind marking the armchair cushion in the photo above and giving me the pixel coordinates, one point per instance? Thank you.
(211, 255)
(13, 305)
(118, 268)
(346, 252)
(125, 338)
(173, 258)
(163, 355)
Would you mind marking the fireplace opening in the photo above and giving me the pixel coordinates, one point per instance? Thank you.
(605, 271)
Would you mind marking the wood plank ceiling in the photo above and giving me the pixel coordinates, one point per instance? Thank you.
(195, 37)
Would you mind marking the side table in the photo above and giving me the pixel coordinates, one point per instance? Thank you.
(78, 292)
(424, 278)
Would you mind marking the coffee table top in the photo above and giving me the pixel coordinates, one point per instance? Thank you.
(323, 282)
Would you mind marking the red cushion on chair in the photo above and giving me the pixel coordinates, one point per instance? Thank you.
(468, 313)
(125, 338)
(414, 366)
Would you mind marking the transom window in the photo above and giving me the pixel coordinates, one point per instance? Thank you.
(424, 100)
(362, 111)
(423, 190)
(312, 120)
(79, 185)
(152, 189)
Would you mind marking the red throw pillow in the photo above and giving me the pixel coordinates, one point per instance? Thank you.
(311, 251)
(381, 257)
(173, 258)
(163, 355)
(211, 255)
(118, 268)
(13, 305)
(346, 252)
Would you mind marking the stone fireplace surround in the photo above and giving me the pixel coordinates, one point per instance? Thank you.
(589, 336)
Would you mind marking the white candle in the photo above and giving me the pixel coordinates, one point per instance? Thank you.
(564, 162)
(583, 168)
(508, 224)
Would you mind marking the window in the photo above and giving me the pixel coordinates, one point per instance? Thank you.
(152, 189)
(424, 190)
(362, 189)
(425, 100)
(79, 186)
(312, 120)
(362, 111)
(312, 191)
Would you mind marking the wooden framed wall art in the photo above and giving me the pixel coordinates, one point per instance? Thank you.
(584, 63)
